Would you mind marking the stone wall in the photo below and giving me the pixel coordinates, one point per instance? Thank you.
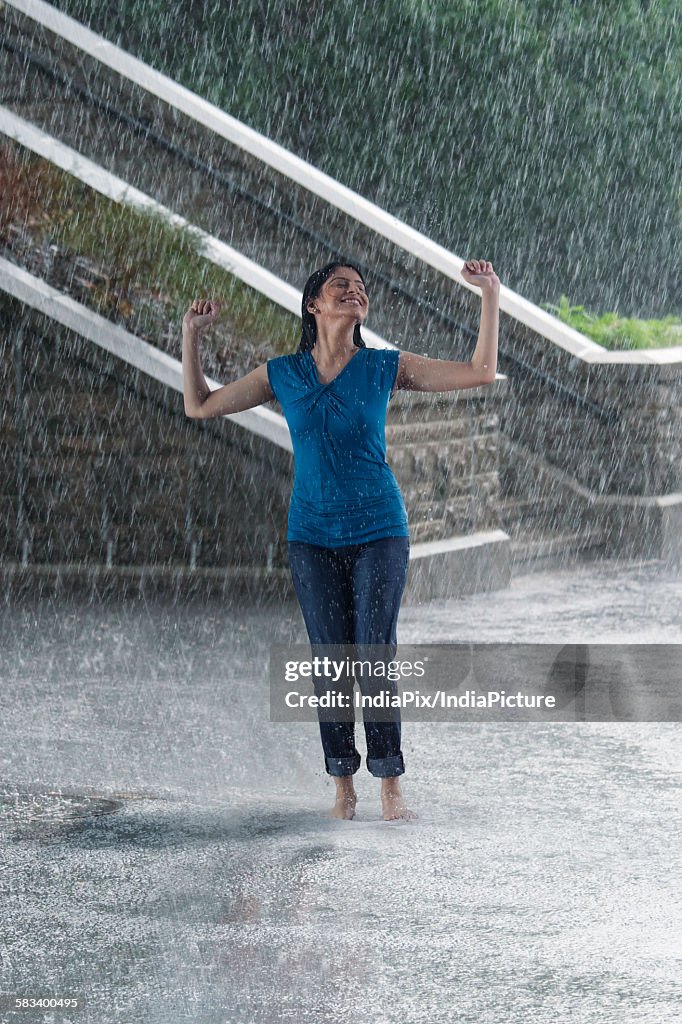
(102, 465)
(444, 451)
(592, 451)
(615, 427)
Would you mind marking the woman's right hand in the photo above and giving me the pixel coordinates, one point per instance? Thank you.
(201, 313)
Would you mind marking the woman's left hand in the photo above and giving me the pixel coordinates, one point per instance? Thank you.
(480, 273)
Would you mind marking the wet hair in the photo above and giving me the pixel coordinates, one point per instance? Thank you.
(312, 289)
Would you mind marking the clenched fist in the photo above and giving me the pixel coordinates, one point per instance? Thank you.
(201, 313)
(481, 273)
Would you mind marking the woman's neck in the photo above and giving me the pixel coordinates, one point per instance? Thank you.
(334, 346)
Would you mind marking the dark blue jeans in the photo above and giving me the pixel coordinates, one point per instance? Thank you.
(351, 595)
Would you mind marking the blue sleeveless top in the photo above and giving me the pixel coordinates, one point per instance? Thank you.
(344, 490)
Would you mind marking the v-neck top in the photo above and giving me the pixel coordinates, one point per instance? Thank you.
(344, 491)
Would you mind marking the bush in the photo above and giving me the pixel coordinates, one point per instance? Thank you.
(616, 332)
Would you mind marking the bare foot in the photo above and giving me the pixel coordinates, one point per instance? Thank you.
(346, 798)
(393, 802)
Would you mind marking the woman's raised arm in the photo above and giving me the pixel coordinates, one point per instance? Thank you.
(418, 373)
(200, 402)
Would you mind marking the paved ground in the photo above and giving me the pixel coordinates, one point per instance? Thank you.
(166, 856)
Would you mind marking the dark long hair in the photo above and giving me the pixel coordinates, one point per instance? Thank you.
(312, 289)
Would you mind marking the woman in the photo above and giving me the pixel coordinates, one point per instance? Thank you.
(348, 537)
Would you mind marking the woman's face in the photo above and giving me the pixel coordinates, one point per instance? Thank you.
(342, 295)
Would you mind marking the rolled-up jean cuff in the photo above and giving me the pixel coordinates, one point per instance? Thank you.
(342, 765)
(386, 767)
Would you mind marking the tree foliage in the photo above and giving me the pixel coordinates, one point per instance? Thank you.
(543, 136)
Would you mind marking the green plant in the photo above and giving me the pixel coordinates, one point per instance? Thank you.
(136, 256)
(617, 332)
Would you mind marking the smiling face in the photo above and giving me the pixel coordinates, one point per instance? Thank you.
(343, 294)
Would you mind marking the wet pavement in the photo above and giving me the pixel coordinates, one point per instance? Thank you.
(166, 855)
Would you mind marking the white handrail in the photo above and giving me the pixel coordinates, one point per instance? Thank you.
(314, 180)
(34, 292)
